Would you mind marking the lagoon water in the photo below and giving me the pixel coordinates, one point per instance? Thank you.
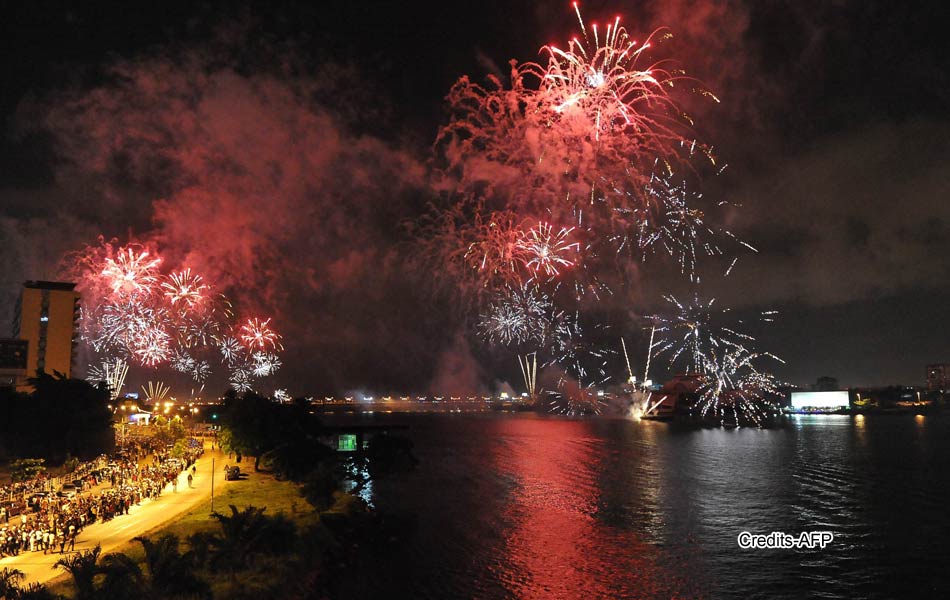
(526, 506)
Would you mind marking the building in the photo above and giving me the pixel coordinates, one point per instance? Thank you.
(938, 377)
(46, 316)
(820, 401)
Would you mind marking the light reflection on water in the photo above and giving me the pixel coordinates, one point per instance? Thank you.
(533, 507)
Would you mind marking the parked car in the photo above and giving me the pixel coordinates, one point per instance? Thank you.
(232, 473)
(68, 490)
(13, 508)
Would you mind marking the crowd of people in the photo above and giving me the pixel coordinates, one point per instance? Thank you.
(20, 490)
(104, 489)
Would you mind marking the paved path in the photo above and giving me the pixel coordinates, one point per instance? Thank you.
(38, 567)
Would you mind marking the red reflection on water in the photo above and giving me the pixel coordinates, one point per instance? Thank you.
(556, 546)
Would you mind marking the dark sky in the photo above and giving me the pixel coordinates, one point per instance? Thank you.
(833, 121)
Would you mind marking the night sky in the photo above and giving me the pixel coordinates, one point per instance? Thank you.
(286, 149)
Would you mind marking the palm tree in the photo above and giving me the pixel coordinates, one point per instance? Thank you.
(83, 568)
(10, 582)
(237, 537)
(247, 533)
(170, 572)
(199, 548)
(123, 579)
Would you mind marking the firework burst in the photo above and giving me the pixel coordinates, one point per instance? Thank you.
(548, 249)
(730, 382)
(182, 362)
(184, 289)
(699, 332)
(240, 380)
(132, 271)
(201, 371)
(264, 364)
(519, 315)
(590, 112)
(732, 387)
(231, 349)
(671, 221)
(599, 81)
(130, 308)
(497, 251)
(574, 400)
(257, 335)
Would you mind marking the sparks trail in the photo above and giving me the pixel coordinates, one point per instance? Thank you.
(112, 373)
(674, 222)
(156, 391)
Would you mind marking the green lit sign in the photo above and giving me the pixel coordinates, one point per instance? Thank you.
(346, 442)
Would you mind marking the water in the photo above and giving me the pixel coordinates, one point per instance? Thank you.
(520, 506)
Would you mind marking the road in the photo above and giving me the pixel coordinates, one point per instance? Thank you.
(111, 535)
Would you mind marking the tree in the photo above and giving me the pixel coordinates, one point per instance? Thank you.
(74, 416)
(296, 458)
(199, 548)
(10, 582)
(83, 568)
(247, 533)
(246, 420)
(321, 483)
(252, 422)
(26, 468)
(171, 574)
(123, 579)
(180, 449)
(168, 431)
(71, 463)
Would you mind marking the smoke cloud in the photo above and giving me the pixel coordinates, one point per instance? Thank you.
(246, 174)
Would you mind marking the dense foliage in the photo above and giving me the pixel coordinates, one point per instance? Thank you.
(61, 417)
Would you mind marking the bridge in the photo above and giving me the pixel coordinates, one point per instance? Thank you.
(418, 404)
